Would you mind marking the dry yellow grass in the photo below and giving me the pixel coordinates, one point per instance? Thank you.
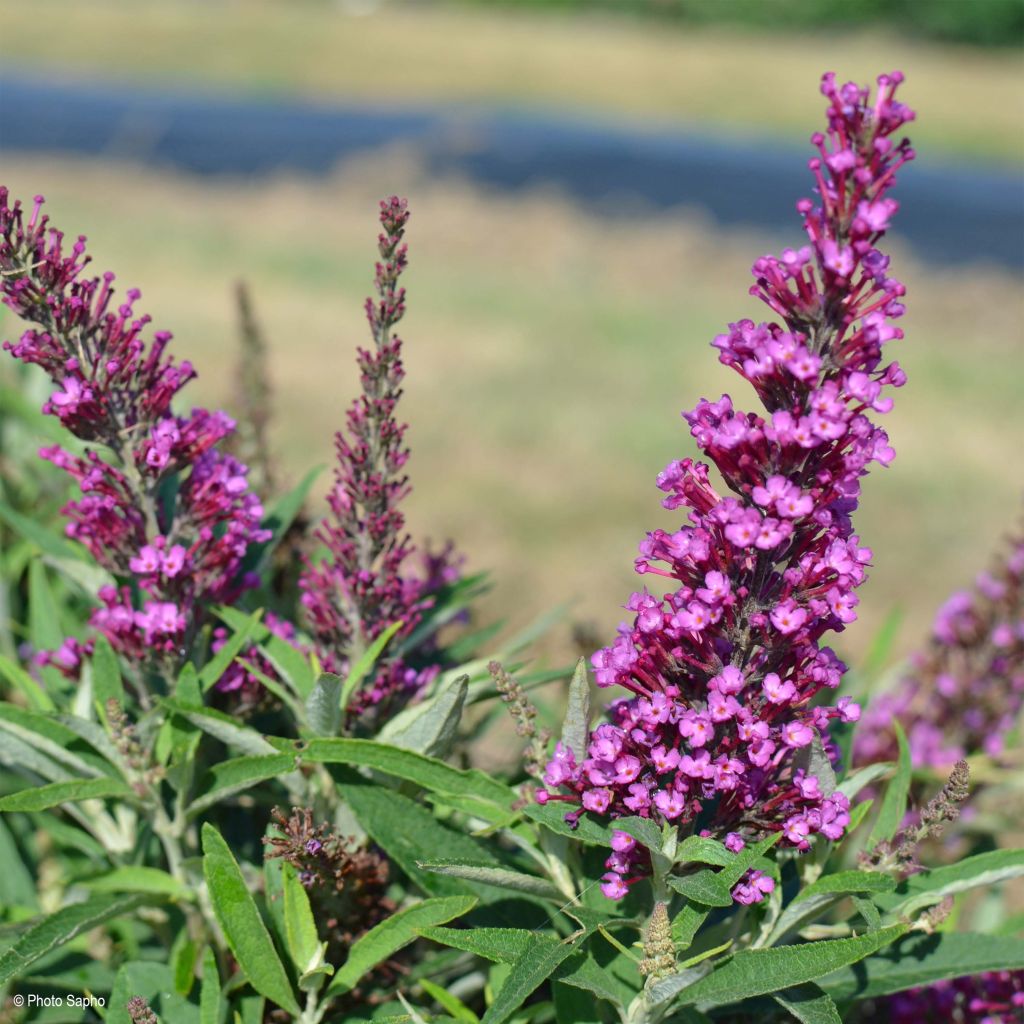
(970, 101)
(549, 355)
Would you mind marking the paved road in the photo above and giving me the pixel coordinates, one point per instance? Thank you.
(950, 213)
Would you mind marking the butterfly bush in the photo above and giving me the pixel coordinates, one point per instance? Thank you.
(167, 513)
(366, 583)
(964, 691)
(721, 728)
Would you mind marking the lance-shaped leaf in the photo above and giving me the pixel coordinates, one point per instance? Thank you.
(221, 661)
(930, 887)
(61, 927)
(223, 727)
(758, 972)
(576, 726)
(529, 971)
(37, 697)
(323, 706)
(139, 878)
(304, 945)
(209, 991)
(499, 877)
(73, 791)
(239, 917)
(364, 665)
(393, 934)
(809, 903)
(809, 1005)
(107, 684)
(920, 959)
(894, 803)
(499, 945)
(427, 772)
(552, 817)
(430, 728)
(714, 888)
(236, 776)
(410, 834)
(853, 784)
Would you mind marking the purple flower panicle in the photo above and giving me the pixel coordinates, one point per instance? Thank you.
(964, 692)
(366, 584)
(161, 508)
(724, 669)
(995, 997)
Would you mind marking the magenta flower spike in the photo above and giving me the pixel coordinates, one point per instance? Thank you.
(964, 692)
(724, 670)
(365, 584)
(162, 509)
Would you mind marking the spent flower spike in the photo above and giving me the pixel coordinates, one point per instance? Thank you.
(723, 672)
(163, 510)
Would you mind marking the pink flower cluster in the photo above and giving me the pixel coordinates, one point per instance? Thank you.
(165, 512)
(725, 668)
(965, 691)
(365, 585)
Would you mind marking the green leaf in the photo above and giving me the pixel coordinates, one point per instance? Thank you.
(209, 991)
(529, 971)
(237, 775)
(16, 886)
(393, 934)
(920, 959)
(501, 878)
(43, 611)
(809, 1005)
(894, 803)
(61, 927)
(183, 963)
(300, 928)
(809, 903)
(323, 706)
(756, 972)
(106, 674)
(499, 945)
(48, 542)
(431, 727)
(141, 879)
(223, 727)
(221, 661)
(427, 772)
(616, 981)
(814, 761)
(43, 797)
(576, 726)
(552, 817)
(714, 888)
(155, 983)
(244, 929)
(930, 887)
(358, 672)
(853, 784)
(666, 990)
(37, 697)
(409, 834)
(455, 1006)
(701, 850)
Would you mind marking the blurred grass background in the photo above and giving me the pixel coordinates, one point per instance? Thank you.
(549, 350)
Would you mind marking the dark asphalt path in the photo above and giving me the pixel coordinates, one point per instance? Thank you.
(949, 213)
